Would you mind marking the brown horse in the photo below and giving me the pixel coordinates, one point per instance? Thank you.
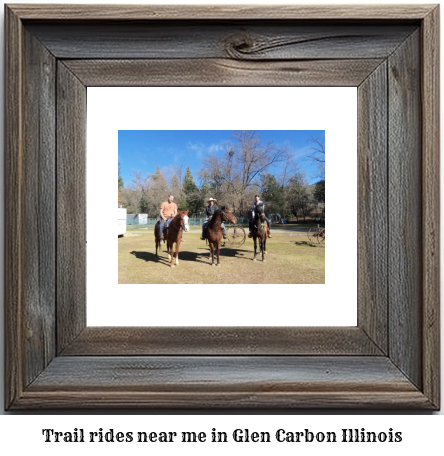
(260, 231)
(214, 230)
(174, 235)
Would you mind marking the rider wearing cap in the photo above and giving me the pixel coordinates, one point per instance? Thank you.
(210, 210)
(258, 202)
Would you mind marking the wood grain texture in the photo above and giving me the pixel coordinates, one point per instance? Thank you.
(209, 373)
(221, 72)
(13, 207)
(231, 401)
(71, 206)
(126, 341)
(372, 207)
(201, 374)
(220, 12)
(233, 382)
(37, 221)
(234, 40)
(430, 94)
(405, 209)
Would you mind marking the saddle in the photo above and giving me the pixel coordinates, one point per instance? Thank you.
(163, 235)
(261, 224)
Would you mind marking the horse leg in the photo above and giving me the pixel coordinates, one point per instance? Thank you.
(255, 247)
(263, 248)
(212, 253)
(155, 238)
(171, 254)
(177, 252)
(169, 248)
(218, 251)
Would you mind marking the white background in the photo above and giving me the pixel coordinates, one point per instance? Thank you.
(112, 109)
(22, 434)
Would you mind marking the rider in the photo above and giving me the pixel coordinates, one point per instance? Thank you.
(210, 210)
(168, 210)
(257, 202)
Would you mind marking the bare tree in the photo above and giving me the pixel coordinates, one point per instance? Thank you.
(130, 199)
(289, 168)
(145, 194)
(236, 173)
(317, 155)
(300, 196)
(158, 189)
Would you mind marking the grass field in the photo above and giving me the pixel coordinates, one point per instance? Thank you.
(290, 259)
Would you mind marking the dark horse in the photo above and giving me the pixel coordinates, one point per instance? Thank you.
(260, 231)
(214, 230)
(174, 235)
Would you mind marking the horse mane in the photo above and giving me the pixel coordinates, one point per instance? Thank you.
(177, 218)
(173, 223)
(216, 215)
(179, 213)
(259, 218)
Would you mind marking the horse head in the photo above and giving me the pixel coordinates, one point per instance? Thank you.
(227, 216)
(184, 220)
(186, 223)
(260, 208)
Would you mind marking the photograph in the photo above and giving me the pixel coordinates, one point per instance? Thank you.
(189, 199)
(146, 321)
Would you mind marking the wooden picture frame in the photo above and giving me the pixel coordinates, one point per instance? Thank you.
(390, 360)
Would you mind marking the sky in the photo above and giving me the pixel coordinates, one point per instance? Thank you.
(145, 150)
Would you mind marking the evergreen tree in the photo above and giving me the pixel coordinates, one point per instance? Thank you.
(319, 191)
(272, 194)
(319, 194)
(299, 196)
(192, 200)
(188, 183)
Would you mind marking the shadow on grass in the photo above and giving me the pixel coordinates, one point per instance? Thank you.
(308, 244)
(163, 258)
(199, 257)
(150, 257)
(227, 252)
(230, 252)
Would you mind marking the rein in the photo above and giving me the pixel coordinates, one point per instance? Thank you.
(259, 222)
(181, 228)
(213, 218)
(223, 218)
(227, 219)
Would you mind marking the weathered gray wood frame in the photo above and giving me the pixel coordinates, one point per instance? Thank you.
(390, 360)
